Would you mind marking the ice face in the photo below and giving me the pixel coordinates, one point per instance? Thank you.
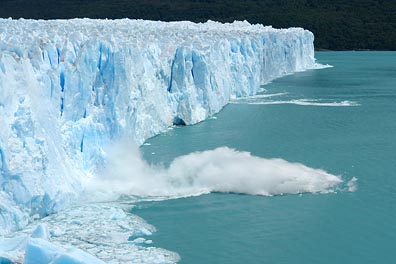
(69, 87)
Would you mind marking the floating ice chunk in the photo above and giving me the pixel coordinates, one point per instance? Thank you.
(76, 256)
(139, 240)
(11, 249)
(41, 231)
(40, 251)
(6, 260)
(13, 244)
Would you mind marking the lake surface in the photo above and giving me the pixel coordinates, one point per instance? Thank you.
(341, 120)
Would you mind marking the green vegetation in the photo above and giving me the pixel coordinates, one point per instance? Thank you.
(337, 24)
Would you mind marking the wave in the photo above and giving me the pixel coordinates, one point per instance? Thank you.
(223, 170)
(303, 102)
(259, 96)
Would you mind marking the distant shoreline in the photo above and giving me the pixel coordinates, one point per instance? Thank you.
(336, 24)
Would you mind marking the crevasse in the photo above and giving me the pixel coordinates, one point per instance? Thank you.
(69, 87)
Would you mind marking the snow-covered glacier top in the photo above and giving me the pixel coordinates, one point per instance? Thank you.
(69, 87)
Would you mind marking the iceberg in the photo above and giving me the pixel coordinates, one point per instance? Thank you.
(70, 87)
(38, 250)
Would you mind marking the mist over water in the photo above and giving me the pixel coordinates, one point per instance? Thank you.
(223, 170)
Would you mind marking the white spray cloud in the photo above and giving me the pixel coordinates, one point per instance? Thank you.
(219, 170)
(352, 184)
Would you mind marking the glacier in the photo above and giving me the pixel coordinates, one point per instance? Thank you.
(68, 88)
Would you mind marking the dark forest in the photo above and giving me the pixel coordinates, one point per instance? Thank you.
(337, 24)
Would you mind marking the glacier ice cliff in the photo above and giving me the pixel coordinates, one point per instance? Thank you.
(69, 87)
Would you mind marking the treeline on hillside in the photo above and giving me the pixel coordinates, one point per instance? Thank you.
(337, 24)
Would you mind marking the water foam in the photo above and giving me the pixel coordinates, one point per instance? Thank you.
(258, 96)
(220, 170)
(302, 102)
(318, 66)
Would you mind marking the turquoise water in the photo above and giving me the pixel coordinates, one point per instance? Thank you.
(357, 140)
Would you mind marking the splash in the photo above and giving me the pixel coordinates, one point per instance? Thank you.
(352, 184)
(223, 170)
